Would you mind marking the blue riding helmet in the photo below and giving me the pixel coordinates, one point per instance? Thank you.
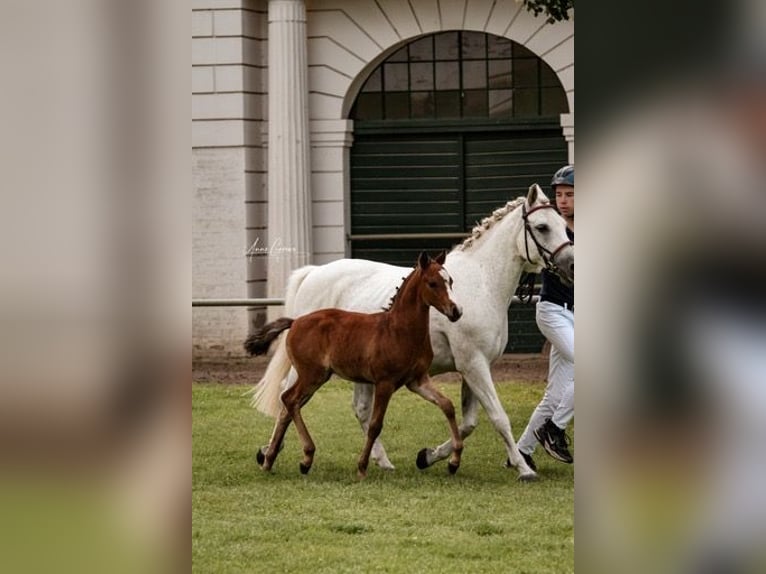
(564, 176)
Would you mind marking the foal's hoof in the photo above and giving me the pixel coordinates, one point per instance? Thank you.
(529, 477)
(422, 460)
(260, 457)
(452, 468)
(304, 468)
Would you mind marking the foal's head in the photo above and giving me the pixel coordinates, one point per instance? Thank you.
(436, 286)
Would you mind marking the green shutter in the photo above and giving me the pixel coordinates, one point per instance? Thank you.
(443, 180)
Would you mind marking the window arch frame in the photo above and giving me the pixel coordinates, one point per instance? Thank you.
(454, 91)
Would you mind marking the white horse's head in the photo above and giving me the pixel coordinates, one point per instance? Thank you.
(544, 240)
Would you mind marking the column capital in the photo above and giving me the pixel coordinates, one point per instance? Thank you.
(568, 129)
(287, 11)
(331, 133)
(567, 121)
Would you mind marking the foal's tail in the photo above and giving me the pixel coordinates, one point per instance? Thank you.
(268, 390)
(259, 343)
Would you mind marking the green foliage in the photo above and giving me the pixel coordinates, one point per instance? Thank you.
(479, 520)
(554, 10)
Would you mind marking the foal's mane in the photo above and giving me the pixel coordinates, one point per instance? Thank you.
(400, 288)
(488, 222)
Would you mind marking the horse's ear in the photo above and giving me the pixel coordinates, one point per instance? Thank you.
(441, 258)
(532, 195)
(423, 260)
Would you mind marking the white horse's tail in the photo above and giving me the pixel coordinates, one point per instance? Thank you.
(266, 394)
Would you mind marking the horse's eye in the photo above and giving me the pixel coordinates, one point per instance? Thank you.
(433, 284)
(542, 228)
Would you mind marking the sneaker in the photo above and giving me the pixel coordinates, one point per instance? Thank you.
(527, 458)
(554, 441)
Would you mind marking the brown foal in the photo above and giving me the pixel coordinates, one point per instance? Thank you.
(389, 349)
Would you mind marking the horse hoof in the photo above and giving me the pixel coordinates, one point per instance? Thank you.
(422, 460)
(452, 468)
(384, 464)
(260, 457)
(531, 477)
(304, 468)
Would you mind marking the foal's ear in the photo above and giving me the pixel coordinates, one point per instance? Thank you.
(533, 192)
(423, 260)
(441, 258)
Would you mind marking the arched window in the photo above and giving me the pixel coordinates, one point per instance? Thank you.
(453, 75)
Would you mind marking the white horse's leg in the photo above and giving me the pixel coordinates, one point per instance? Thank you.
(470, 408)
(362, 403)
(478, 377)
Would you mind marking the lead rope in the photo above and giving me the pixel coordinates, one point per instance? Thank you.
(526, 287)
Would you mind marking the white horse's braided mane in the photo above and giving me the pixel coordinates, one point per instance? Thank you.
(480, 229)
(488, 222)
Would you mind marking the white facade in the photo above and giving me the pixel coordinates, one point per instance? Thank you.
(232, 167)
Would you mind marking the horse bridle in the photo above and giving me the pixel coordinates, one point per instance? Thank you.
(545, 253)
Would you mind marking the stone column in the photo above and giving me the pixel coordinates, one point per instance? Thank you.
(289, 210)
(567, 126)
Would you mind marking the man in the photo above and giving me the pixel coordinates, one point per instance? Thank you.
(555, 318)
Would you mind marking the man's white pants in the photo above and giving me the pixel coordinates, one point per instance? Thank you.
(557, 324)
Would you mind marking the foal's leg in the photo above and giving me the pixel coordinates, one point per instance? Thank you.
(267, 457)
(289, 381)
(470, 408)
(294, 398)
(362, 403)
(426, 389)
(383, 392)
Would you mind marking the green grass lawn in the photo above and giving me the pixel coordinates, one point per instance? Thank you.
(479, 520)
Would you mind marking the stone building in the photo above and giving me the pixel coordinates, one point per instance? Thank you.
(320, 127)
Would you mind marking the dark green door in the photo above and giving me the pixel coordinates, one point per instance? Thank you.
(413, 190)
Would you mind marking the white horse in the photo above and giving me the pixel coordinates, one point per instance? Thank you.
(523, 236)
